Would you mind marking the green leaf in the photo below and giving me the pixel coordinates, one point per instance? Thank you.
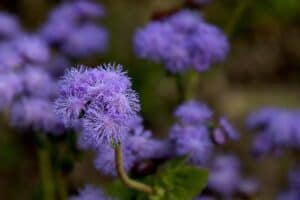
(119, 191)
(179, 180)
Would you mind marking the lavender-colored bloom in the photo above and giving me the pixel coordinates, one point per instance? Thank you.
(38, 82)
(228, 129)
(10, 86)
(85, 41)
(182, 41)
(225, 175)
(10, 59)
(193, 112)
(10, 26)
(56, 31)
(204, 197)
(293, 190)
(88, 9)
(105, 160)
(103, 100)
(57, 65)
(193, 141)
(218, 136)
(90, 193)
(36, 113)
(277, 129)
(33, 49)
(137, 147)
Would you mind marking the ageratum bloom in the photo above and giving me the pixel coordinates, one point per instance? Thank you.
(225, 176)
(137, 147)
(10, 59)
(277, 129)
(90, 192)
(86, 40)
(182, 41)
(193, 141)
(10, 26)
(293, 190)
(38, 82)
(36, 113)
(32, 48)
(10, 87)
(101, 99)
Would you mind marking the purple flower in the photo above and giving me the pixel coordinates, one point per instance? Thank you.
(138, 146)
(10, 59)
(105, 160)
(277, 129)
(181, 41)
(90, 193)
(228, 129)
(32, 48)
(36, 113)
(10, 26)
(101, 98)
(193, 112)
(249, 187)
(293, 190)
(225, 175)
(57, 65)
(193, 141)
(10, 86)
(38, 82)
(86, 40)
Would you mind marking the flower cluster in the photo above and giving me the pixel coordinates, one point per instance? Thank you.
(71, 27)
(293, 191)
(30, 62)
(138, 146)
(226, 180)
(181, 41)
(192, 136)
(100, 100)
(277, 129)
(90, 193)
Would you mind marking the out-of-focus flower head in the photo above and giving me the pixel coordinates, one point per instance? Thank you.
(10, 87)
(90, 192)
(32, 48)
(293, 190)
(36, 113)
(225, 176)
(38, 82)
(182, 41)
(88, 40)
(10, 26)
(193, 141)
(277, 129)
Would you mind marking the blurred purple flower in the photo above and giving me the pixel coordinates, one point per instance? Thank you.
(193, 141)
(32, 48)
(38, 82)
(10, 86)
(10, 26)
(277, 129)
(181, 41)
(10, 59)
(36, 113)
(90, 193)
(192, 112)
(225, 176)
(86, 40)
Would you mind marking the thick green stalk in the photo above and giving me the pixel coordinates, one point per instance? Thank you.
(124, 177)
(44, 162)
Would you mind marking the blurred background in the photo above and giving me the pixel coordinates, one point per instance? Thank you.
(263, 68)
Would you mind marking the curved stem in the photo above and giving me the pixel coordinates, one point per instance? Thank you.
(124, 177)
(44, 162)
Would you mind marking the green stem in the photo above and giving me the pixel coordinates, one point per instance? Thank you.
(229, 29)
(62, 186)
(193, 82)
(44, 162)
(124, 177)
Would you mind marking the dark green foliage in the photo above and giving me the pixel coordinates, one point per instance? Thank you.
(175, 180)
